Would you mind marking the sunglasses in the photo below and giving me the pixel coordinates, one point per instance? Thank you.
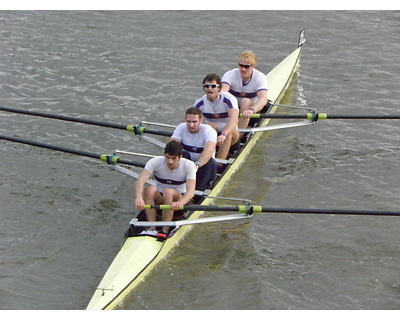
(213, 85)
(246, 66)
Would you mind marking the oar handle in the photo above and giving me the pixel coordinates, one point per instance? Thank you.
(241, 209)
(279, 116)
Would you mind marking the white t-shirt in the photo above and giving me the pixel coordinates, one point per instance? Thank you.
(194, 142)
(249, 89)
(217, 111)
(167, 178)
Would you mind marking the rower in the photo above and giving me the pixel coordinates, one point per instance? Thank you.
(221, 111)
(198, 141)
(248, 85)
(175, 185)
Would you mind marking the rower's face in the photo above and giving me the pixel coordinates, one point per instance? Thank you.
(193, 122)
(211, 89)
(245, 68)
(172, 161)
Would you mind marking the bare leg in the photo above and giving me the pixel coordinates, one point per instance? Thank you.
(169, 195)
(152, 197)
(228, 142)
(245, 104)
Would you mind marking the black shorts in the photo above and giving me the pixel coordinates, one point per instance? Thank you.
(235, 146)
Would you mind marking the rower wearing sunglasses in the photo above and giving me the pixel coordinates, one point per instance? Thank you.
(220, 111)
(248, 85)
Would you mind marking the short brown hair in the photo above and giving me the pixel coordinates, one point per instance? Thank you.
(173, 148)
(195, 110)
(212, 77)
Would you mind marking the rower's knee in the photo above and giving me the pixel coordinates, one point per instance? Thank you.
(170, 195)
(150, 192)
(245, 104)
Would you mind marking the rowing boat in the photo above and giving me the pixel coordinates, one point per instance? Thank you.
(139, 254)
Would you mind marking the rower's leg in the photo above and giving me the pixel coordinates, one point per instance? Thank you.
(152, 197)
(224, 148)
(245, 104)
(230, 140)
(169, 196)
(206, 174)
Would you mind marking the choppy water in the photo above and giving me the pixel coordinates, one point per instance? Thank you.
(63, 216)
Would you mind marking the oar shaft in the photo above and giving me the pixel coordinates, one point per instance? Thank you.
(276, 116)
(259, 209)
(362, 117)
(329, 211)
(133, 128)
(322, 116)
(109, 159)
(64, 118)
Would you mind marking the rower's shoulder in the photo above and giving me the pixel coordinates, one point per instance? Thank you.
(258, 73)
(234, 71)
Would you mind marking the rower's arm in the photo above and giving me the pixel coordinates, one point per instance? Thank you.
(233, 121)
(190, 189)
(139, 186)
(225, 87)
(208, 151)
(262, 100)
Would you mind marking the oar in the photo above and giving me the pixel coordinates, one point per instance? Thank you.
(246, 211)
(322, 116)
(137, 129)
(179, 223)
(250, 209)
(110, 159)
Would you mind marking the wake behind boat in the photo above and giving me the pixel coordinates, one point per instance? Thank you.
(139, 254)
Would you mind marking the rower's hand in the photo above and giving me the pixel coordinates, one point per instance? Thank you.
(176, 205)
(220, 140)
(139, 203)
(247, 113)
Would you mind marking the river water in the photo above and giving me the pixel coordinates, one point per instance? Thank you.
(63, 216)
